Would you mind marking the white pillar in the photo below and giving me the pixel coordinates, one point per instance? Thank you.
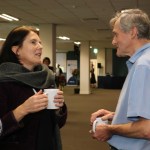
(48, 38)
(85, 68)
(101, 58)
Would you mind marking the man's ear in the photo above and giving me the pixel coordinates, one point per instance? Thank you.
(134, 33)
(15, 49)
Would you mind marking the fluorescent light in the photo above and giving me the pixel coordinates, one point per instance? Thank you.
(11, 17)
(78, 43)
(8, 17)
(1, 39)
(64, 38)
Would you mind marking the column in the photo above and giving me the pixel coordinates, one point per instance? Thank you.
(85, 68)
(48, 37)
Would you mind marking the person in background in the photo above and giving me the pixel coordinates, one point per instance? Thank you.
(62, 81)
(58, 74)
(92, 79)
(130, 127)
(27, 124)
(47, 61)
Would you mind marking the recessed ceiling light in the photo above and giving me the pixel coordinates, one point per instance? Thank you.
(37, 29)
(95, 50)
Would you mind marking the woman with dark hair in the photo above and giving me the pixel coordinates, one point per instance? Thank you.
(27, 124)
(92, 79)
(47, 61)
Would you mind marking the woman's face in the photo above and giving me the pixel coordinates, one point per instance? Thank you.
(46, 62)
(30, 52)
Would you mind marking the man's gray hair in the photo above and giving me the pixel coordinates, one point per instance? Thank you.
(130, 18)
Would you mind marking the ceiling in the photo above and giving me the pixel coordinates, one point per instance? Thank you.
(80, 20)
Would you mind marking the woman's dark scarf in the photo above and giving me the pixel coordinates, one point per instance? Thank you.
(41, 77)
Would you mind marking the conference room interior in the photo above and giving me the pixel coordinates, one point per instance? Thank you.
(86, 24)
(74, 34)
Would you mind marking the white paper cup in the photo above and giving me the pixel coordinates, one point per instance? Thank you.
(51, 94)
(97, 122)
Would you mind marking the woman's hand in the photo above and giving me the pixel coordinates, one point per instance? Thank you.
(59, 99)
(33, 104)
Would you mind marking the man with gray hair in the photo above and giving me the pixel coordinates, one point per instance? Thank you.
(130, 127)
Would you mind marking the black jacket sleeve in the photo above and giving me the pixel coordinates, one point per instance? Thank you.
(62, 116)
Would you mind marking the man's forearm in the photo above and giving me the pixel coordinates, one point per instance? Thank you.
(138, 129)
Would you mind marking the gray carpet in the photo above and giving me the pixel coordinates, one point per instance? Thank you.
(75, 134)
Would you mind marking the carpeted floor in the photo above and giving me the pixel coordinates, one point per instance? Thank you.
(75, 134)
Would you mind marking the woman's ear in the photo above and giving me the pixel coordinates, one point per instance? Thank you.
(15, 50)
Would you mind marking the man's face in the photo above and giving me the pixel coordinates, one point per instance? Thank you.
(122, 40)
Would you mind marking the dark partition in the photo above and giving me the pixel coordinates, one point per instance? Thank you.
(108, 82)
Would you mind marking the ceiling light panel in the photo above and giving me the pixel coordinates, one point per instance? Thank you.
(8, 17)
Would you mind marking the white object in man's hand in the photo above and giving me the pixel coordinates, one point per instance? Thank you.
(98, 121)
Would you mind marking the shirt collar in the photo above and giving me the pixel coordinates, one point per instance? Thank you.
(137, 54)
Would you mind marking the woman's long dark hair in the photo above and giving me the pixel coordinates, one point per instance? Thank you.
(14, 38)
